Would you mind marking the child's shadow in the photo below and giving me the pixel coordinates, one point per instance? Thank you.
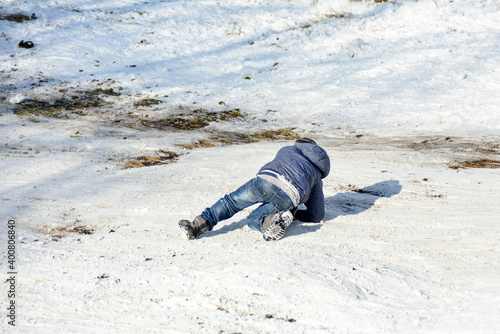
(349, 203)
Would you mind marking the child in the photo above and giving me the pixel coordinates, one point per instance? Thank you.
(294, 177)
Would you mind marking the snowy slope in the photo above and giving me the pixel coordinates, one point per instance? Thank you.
(420, 66)
(405, 255)
(396, 92)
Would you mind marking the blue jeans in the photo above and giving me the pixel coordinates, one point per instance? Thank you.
(256, 190)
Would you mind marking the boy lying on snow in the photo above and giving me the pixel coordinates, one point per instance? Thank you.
(292, 178)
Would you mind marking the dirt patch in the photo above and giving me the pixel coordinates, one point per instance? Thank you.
(79, 230)
(183, 118)
(101, 91)
(204, 143)
(463, 152)
(61, 232)
(177, 123)
(76, 104)
(101, 105)
(147, 102)
(197, 119)
(376, 1)
(452, 144)
(482, 163)
(192, 119)
(55, 109)
(233, 138)
(161, 157)
(17, 17)
(285, 133)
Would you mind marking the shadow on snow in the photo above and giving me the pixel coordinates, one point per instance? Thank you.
(349, 203)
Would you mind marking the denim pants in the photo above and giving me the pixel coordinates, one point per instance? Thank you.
(256, 190)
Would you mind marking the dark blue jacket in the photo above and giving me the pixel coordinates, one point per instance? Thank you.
(304, 165)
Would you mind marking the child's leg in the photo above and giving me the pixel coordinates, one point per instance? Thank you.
(255, 218)
(245, 196)
(279, 203)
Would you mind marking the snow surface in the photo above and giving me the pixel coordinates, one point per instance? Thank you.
(396, 92)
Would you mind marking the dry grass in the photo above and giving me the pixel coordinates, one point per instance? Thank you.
(161, 157)
(17, 17)
(147, 102)
(184, 118)
(60, 232)
(76, 104)
(204, 143)
(482, 163)
(376, 1)
(192, 119)
(285, 133)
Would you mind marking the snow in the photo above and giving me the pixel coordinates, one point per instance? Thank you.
(396, 92)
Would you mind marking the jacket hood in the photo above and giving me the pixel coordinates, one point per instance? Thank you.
(317, 155)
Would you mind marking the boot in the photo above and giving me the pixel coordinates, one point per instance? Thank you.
(274, 226)
(195, 228)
